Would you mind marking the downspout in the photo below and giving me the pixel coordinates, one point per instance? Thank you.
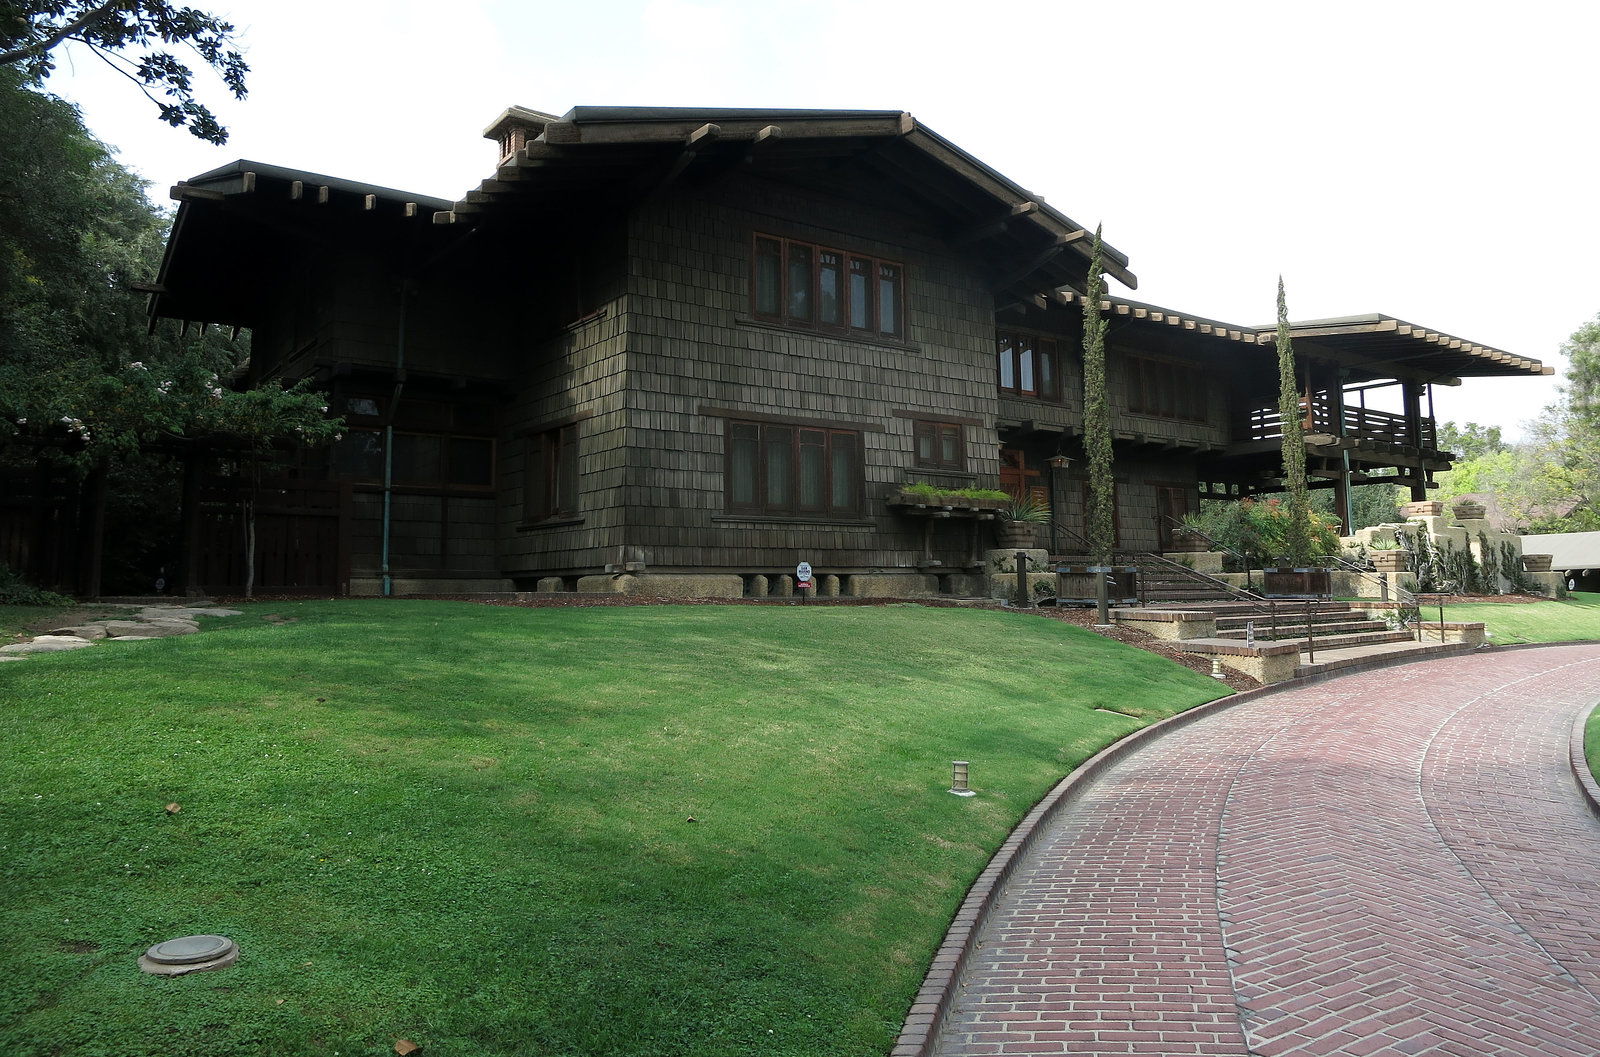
(388, 435)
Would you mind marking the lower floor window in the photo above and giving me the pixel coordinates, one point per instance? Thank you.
(784, 469)
(552, 485)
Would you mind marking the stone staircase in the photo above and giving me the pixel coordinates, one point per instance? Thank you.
(1290, 638)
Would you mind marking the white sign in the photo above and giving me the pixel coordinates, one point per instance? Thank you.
(802, 574)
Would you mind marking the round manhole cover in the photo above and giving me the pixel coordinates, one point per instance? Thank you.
(187, 950)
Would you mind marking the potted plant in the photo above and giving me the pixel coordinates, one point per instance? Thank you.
(1387, 556)
(1190, 536)
(1019, 516)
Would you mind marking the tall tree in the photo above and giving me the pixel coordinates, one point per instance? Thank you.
(1097, 414)
(128, 36)
(1298, 535)
(83, 384)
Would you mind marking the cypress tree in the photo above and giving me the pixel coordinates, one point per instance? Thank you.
(1298, 535)
(1097, 415)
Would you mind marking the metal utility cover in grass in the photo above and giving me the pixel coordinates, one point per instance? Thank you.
(189, 954)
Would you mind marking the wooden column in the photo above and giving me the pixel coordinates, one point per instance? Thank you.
(1341, 484)
(92, 531)
(1412, 392)
(188, 571)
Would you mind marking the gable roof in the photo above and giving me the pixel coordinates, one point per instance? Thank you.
(631, 153)
(269, 212)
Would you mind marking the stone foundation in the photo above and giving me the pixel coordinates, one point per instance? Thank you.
(664, 585)
(893, 585)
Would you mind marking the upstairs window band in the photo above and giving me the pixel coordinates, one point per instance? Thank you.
(802, 285)
(1166, 389)
(774, 469)
(1029, 366)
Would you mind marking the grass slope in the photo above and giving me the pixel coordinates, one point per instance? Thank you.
(675, 830)
(1572, 618)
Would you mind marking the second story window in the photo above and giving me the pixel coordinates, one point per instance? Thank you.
(1166, 389)
(1029, 366)
(803, 285)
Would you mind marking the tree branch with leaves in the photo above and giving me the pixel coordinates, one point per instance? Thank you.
(132, 37)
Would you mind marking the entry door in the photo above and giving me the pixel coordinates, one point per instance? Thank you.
(1017, 478)
(1172, 502)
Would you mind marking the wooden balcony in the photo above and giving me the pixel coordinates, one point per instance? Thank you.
(1367, 434)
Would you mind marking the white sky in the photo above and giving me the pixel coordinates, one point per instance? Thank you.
(1432, 161)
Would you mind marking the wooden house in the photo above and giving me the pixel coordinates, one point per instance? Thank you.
(671, 351)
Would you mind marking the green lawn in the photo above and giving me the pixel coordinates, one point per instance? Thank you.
(1574, 617)
(657, 830)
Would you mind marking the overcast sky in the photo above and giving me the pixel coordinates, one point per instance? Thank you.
(1431, 161)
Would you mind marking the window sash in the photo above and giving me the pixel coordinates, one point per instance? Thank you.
(1166, 390)
(804, 285)
(551, 489)
(939, 445)
(774, 469)
(1029, 366)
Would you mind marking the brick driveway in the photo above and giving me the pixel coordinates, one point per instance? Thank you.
(1392, 862)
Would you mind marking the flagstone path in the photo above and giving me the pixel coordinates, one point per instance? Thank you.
(153, 621)
(1396, 862)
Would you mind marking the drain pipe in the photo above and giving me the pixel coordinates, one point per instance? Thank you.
(388, 435)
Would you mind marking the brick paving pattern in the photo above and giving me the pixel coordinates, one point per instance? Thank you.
(1395, 862)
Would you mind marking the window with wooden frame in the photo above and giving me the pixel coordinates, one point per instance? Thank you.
(940, 445)
(1166, 389)
(551, 486)
(800, 284)
(776, 469)
(1029, 365)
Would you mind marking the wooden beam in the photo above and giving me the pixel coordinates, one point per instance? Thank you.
(322, 195)
(706, 132)
(412, 209)
(249, 183)
(297, 190)
(186, 193)
(370, 203)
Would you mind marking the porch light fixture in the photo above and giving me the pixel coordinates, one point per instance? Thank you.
(958, 783)
(1058, 462)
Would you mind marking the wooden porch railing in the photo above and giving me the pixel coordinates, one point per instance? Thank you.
(1360, 423)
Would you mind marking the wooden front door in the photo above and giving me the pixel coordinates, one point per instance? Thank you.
(1017, 478)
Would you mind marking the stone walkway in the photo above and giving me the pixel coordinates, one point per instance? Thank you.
(1395, 862)
(142, 622)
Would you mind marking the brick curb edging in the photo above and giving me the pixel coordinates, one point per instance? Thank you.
(1580, 762)
(932, 1002)
(933, 998)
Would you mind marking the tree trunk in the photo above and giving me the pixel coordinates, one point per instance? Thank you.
(249, 549)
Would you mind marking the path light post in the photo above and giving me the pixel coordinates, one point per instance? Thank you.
(958, 781)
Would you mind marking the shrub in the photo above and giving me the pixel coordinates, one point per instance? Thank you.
(15, 592)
